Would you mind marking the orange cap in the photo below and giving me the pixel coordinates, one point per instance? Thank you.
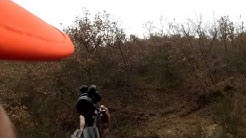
(23, 36)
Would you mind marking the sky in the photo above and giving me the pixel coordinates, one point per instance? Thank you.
(133, 14)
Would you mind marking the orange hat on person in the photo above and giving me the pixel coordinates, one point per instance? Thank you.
(23, 36)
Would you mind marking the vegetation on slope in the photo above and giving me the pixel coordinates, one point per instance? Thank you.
(174, 85)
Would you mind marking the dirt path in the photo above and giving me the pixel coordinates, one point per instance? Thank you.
(158, 114)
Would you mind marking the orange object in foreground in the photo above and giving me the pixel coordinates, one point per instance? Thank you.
(23, 36)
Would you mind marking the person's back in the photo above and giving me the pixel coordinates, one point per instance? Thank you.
(94, 117)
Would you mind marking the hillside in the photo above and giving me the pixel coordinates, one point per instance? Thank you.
(179, 84)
